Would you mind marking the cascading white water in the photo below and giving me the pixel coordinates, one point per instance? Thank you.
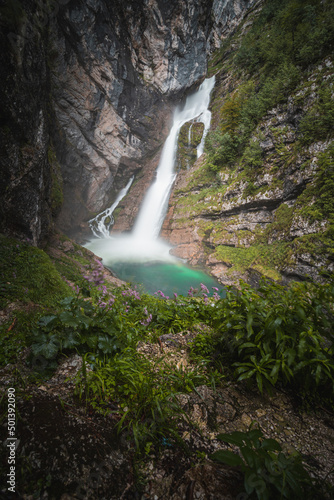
(206, 119)
(143, 244)
(189, 134)
(153, 210)
(98, 225)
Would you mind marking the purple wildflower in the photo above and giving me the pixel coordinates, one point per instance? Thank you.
(204, 288)
(147, 321)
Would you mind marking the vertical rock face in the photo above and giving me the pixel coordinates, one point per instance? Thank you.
(120, 67)
(96, 81)
(25, 209)
(115, 66)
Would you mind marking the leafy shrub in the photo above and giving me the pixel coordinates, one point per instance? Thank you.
(279, 335)
(222, 148)
(79, 326)
(298, 31)
(129, 387)
(252, 156)
(268, 472)
(325, 183)
(141, 394)
(318, 123)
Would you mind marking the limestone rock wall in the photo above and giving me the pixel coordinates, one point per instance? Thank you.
(120, 69)
(87, 89)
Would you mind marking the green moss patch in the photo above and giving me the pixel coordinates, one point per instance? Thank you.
(261, 257)
(28, 275)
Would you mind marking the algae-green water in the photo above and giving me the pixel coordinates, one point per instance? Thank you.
(149, 263)
(169, 277)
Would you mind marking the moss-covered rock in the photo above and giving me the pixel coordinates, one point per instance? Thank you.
(189, 138)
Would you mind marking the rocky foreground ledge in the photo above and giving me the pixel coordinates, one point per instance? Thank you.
(67, 451)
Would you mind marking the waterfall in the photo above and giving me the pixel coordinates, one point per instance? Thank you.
(189, 134)
(153, 210)
(99, 225)
(143, 244)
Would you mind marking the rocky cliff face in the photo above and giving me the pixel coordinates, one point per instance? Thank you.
(262, 206)
(94, 84)
(26, 173)
(119, 70)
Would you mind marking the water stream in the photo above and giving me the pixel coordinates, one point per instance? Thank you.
(102, 223)
(141, 256)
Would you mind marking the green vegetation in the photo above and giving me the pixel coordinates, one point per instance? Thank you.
(285, 37)
(189, 138)
(276, 103)
(325, 184)
(271, 337)
(279, 336)
(288, 31)
(263, 257)
(268, 472)
(318, 123)
(28, 275)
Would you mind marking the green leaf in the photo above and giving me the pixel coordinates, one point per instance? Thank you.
(47, 320)
(271, 445)
(71, 340)
(250, 477)
(246, 375)
(247, 344)
(226, 457)
(249, 456)
(67, 301)
(91, 340)
(47, 347)
(259, 382)
(290, 354)
(318, 374)
(249, 323)
(275, 372)
(293, 481)
(301, 313)
(254, 435)
(238, 438)
(106, 344)
(67, 318)
(83, 320)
